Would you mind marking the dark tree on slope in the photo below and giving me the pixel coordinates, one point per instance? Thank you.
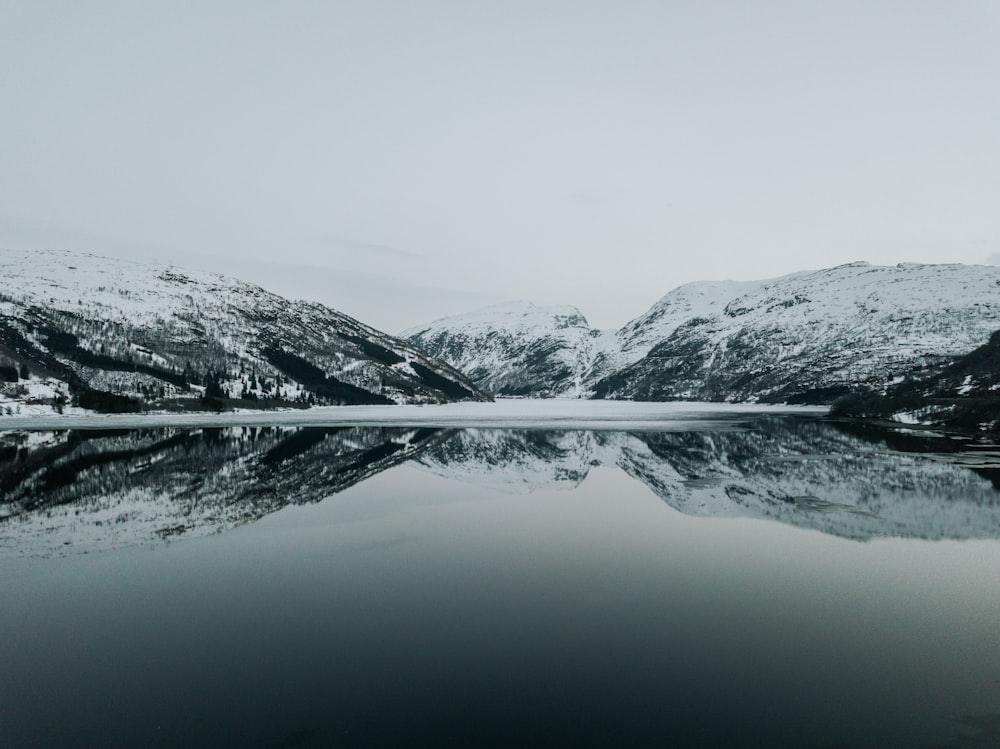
(213, 385)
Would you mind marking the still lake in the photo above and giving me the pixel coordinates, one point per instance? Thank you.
(753, 581)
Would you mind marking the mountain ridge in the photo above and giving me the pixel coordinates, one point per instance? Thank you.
(103, 334)
(807, 337)
(547, 347)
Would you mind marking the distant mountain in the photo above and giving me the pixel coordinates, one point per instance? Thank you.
(515, 349)
(524, 349)
(964, 395)
(80, 331)
(808, 337)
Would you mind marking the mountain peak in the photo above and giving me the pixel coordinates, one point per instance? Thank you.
(108, 334)
(515, 348)
(522, 314)
(809, 334)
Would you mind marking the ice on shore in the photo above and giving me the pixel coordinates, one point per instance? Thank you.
(519, 413)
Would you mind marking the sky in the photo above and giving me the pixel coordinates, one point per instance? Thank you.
(402, 161)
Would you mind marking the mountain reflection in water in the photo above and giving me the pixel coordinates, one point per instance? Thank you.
(87, 490)
(470, 588)
(71, 491)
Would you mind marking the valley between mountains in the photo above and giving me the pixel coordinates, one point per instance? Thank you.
(862, 334)
(910, 343)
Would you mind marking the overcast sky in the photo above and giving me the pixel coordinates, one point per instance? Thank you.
(405, 160)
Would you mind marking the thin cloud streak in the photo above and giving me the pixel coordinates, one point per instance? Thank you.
(371, 247)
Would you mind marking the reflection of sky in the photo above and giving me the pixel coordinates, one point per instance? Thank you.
(413, 606)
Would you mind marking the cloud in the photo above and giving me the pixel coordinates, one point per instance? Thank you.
(343, 243)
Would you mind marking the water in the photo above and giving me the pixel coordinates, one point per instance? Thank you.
(767, 582)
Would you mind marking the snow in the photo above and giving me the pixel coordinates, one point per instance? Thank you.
(35, 396)
(484, 342)
(855, 323)
(157, 316)
(876, 315)
(967, 385)
(523, 316)
(697, 300)
(119, 289)
(513, 413)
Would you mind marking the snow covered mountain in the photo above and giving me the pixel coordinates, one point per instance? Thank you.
(813, 336)
(110, 335)
(807, 337)
(631, 342)
(516, 348)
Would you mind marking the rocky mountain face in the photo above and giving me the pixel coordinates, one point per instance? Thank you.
(83, 332)
(963, 395)
(634, 340)
(515, 349)
(808, 338)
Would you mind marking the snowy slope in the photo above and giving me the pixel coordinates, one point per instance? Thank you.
(964, 395)
(806, 337)
(692, 301)
(524, 349)
(120, 335)
(514, 349)
(812, 336)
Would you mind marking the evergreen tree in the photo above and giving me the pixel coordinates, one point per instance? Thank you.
(213, 385)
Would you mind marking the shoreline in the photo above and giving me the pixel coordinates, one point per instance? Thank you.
(504, 413)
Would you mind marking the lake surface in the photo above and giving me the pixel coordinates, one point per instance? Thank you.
(748, 581)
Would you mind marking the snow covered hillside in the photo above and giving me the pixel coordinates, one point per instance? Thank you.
(807, 337)
(813, 336)
(80, 331)
(635, 339)
(963, 395)
(515, 349)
